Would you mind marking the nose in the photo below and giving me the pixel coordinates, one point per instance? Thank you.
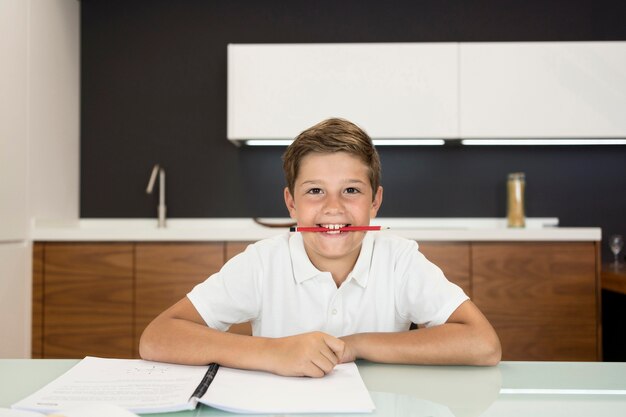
(333, 204)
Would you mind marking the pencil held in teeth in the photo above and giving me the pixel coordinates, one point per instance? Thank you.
(340, 229)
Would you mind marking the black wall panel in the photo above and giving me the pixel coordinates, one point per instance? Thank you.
(153, 89)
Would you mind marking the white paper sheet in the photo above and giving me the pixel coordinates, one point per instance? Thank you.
(341, 391)
(91, 410)
(133, 384)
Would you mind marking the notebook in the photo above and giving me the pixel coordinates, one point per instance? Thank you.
(155, 387)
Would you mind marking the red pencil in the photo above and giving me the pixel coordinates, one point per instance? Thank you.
(342, 229)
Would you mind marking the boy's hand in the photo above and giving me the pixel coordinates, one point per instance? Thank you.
(312, 354)
(349, 350)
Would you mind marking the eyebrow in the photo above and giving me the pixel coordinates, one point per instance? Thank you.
(348, 181)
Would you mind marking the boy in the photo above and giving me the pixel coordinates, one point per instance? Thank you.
(322, 298)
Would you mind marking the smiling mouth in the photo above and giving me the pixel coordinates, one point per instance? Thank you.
(333, 229)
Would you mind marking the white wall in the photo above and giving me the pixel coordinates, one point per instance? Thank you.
(13, 119)
(39, 144)
(14, 280)
(54, 109)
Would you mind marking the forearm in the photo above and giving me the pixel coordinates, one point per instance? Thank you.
(175, 340)
(181, 341)
(448, 344)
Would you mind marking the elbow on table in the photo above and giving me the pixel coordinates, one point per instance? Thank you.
(148, 346)
(490, 352)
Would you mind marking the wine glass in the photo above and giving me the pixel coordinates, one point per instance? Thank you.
(616, 243)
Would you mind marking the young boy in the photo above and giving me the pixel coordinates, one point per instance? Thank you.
(322, 298)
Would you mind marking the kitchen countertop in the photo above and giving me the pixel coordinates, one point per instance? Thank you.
(246, 229)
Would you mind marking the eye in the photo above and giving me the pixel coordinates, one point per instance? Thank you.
(314, 191)
(352, 190)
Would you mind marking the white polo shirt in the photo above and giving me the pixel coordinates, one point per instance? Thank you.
(274, 285)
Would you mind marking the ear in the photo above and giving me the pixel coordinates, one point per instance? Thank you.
(378, 200)
(290, 202)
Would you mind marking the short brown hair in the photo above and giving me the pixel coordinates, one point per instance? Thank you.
(328, 136)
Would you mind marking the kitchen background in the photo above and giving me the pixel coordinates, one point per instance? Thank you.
(153, 90)
(93, 93)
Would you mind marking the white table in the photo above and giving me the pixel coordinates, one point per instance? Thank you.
(511, 389)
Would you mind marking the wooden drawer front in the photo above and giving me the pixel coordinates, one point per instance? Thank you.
(454, 260)
(540, 297)
(88, 297)
(166, 272)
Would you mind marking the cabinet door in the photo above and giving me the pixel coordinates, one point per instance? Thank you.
(540, 297)
(166, 272)
(393, 90)
(88, 293)
(454, 260)
(542, 90)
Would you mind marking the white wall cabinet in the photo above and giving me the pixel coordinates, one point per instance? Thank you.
(397, 90)
(426, 90)
(543, 90)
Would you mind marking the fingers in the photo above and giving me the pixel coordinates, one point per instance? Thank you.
(311, 354)
(337, 346)
(326, 360)
(323, 354)
(331, 353)
(329, 356)
(318, 368)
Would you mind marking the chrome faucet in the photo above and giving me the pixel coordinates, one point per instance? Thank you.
(161, 208)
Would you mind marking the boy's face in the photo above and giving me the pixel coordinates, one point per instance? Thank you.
(332, 190)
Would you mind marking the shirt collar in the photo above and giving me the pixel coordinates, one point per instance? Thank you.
(303, 269)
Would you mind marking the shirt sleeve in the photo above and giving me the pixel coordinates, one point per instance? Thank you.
(426, 297)
(231, 295)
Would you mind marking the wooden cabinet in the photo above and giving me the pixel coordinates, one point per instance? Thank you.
(542, 298)
(88, 300)
(165, 273)
(96, 298)
(614, 277)
(454, 260)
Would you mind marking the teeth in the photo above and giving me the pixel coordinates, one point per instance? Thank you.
(333, 229)
(333, 226)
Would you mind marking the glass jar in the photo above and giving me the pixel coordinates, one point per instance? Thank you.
(515, 199)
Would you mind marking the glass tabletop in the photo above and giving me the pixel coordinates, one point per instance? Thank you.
(511, 389)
